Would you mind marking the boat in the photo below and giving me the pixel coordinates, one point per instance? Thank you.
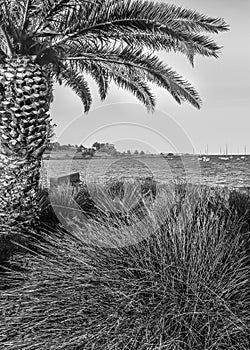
(225, 157)
(204, 159)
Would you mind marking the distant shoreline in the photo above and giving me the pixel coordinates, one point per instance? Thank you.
(67, 156)
(97, 158)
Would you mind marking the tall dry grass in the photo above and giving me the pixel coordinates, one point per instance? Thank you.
(174, 277)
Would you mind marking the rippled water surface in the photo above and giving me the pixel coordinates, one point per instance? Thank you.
(233, 172)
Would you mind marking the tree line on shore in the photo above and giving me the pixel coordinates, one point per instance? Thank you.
(105, 147)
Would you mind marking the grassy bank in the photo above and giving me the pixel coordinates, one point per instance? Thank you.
(144, 268)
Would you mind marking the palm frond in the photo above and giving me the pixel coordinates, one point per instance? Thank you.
(13, 13)
(141, 15)
(158, 42)
(56, 7)
(173, 16)
(179, 42)
(151, 25)
(102, 78)
(106, 38)
(124, 76)
(144, 64)
(61, 14)
(190, 20)
(137, 87)
(31, 14)
(5, 43)
(98, 71)
(25, 18)
(77, 83)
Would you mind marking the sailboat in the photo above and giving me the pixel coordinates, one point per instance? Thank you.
(244, 157)
(226, 155)
(205, 158)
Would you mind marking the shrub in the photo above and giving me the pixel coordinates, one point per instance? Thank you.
(114, 201)
(178, 279)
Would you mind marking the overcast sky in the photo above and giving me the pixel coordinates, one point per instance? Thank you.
(223, 84)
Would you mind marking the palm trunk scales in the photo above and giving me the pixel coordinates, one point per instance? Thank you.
(25, 129)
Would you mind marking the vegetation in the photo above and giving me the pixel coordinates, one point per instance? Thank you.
(57, 147)
(175, 279)
(106, 147)
(63, 41)
(119, 265)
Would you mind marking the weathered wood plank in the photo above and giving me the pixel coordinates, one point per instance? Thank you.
(73, 179)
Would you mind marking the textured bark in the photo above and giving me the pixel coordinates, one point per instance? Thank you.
(19, 181)
(25, 129)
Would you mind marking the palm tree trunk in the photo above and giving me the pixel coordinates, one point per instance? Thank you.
(25, 130)
(19, 181)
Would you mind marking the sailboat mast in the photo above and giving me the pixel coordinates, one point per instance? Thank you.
(206, 150)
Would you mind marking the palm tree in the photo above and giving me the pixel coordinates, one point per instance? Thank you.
(62, 41)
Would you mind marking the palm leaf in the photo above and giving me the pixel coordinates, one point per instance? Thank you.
(184, 43)
(137, 87)
(152, 25)
(101, 77)
(61, 14)
(77, 83)
(31, 14)
(98, 36)
(25, 19)
(99, 72)
(5, 43)
(140, 15)
(135, 22)
(124, 76)
(12, 15)
(144, 64)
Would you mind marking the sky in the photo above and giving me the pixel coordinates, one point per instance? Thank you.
(224, 86)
